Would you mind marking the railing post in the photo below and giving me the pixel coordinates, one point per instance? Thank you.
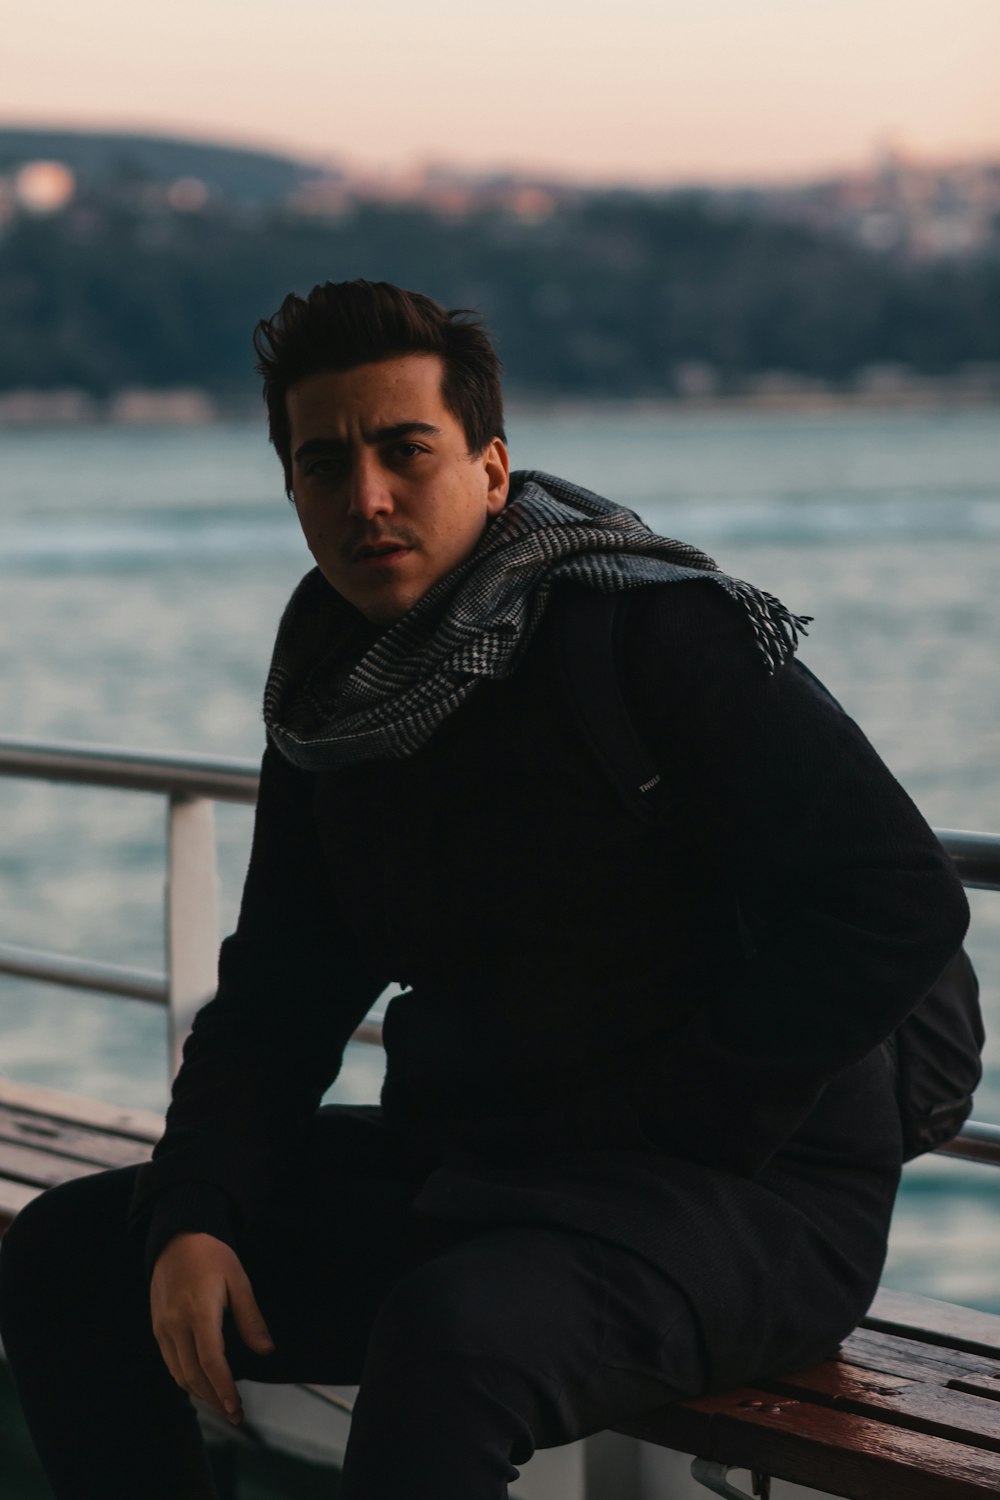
(192, 914)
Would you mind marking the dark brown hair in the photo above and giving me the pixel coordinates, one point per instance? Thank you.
(342, 324)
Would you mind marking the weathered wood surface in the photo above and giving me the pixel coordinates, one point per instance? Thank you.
(13, 1197)
(895, 1414)
(48, 1137)
(84, 1144)
(925, 1407)
(39, 1168)
(904, 1356)
(53, 1104)
(831, 1450)
(935, 1322)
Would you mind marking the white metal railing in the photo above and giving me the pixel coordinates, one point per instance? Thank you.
(192, 784)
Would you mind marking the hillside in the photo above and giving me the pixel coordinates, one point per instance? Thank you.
(100, 160)
(592, 294)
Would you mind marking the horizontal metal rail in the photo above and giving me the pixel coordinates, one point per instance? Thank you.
(118, 982)
(223, 779)
(976, 857)
(976, 1141)
(84, 974)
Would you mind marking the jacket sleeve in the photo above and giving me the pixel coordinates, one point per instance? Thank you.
(292, 988)
(848, 904)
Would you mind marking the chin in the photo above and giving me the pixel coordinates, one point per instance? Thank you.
(377, 607)
(385, 611)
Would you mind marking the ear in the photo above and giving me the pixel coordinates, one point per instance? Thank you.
(496, 463)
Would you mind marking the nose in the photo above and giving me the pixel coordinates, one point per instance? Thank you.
(370, 494)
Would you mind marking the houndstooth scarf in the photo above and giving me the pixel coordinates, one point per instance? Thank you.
(338, 692)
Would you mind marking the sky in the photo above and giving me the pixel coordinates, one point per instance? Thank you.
(601, 90)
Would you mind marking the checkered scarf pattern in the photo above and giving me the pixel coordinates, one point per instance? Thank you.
(338, 693)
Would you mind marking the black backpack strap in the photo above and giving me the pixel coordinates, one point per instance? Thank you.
(589, 626)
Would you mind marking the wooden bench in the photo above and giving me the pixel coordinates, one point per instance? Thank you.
(907, 1409)
(48, 1137)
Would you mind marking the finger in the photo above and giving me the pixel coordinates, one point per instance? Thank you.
(248, 1317)
(202, 1373)
(215, 1368)
(170, 1359)
(195, 1381)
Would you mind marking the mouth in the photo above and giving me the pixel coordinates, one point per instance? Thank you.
(375, 554)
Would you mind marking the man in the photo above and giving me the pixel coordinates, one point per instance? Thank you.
(637, 1138)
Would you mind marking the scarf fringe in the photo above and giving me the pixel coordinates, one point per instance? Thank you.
(776, 630)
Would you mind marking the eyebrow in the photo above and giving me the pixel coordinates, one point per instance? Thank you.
(380, 435)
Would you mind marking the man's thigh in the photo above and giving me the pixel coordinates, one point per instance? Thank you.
(573, 1332)
(352, 1281)
(339, 1233)
(360, 1288)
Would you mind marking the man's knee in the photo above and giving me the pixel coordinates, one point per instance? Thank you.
(482, 1343)
(56, 1242)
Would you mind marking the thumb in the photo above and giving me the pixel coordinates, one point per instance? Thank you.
(248, 1317)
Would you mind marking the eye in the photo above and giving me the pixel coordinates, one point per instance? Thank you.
(323, 468)
(407, 451)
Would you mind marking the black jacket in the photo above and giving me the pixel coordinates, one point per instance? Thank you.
(588, 1037)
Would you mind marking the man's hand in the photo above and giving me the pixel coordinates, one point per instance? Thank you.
(196, 1277)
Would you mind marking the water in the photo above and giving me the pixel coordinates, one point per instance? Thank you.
(142, 573)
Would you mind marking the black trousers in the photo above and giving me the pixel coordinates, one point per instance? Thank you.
(471, 1347)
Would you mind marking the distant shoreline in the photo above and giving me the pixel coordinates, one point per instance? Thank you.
(186, 408)
(749, 401)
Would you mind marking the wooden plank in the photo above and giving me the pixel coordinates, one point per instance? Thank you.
(943, 1410)
(143, 1124)
(830, 1450)
(13, 1197)
(104, 1148)
(40, 1168)
(934, 1322)
(911, 1358)
(984, 1385)
(837, 1380)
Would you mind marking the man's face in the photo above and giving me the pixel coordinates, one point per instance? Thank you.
(387, 494)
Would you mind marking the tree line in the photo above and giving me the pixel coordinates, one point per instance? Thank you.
(611, 295)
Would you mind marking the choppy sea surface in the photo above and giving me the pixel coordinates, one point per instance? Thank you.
(142, 573)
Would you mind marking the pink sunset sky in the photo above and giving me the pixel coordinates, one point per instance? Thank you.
(632, 90)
